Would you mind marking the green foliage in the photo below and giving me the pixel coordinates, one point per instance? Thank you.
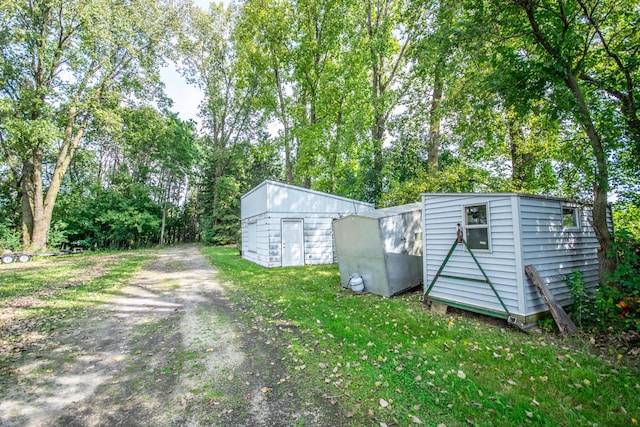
(9, 236)
(63, 63)
(626, 216)
(223, 228)
(57, 235)
(117, 218)
(609, 308)
(627, 250)
(583, 309)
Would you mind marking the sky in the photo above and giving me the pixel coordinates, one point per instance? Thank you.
(186, 98)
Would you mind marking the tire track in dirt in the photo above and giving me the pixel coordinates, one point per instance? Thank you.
(168, 350)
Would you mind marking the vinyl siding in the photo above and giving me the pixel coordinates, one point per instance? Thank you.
(555, 251)
(318, 239)
(260, 256)
(270, 202)
(442, 212)
(525, 230)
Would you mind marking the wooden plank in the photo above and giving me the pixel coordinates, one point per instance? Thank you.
(565, 324)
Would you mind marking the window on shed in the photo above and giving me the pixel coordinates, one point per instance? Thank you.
(476, 221)
(570, 217)
(252, 238)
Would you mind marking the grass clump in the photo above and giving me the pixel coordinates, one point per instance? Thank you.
(392, 361)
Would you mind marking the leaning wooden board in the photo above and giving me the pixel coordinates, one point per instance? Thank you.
(565, 324)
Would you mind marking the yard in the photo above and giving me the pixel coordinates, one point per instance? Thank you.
(309, 352)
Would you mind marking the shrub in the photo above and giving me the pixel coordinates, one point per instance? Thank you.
(608, 308)
(626, 249)
(9, 237)
(583, 303)
(58, 235)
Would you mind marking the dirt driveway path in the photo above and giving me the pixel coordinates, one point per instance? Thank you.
(169, 350)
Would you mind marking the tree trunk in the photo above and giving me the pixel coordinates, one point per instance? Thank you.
(433, 150)
(288, 164)
(34, 234)
(164, 211)
(37, 212)
(606, 261)
(522, 168)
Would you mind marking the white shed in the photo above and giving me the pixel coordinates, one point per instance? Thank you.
(505, 233)
(383, 246)
(284, 225)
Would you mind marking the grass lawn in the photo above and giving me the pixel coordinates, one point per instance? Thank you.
(391, 362)
(40, 297)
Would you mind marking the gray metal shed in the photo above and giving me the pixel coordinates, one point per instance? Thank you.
(383, 246)
(506, 232)
(284, 225)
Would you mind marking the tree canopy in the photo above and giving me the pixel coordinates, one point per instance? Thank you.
(375, 100)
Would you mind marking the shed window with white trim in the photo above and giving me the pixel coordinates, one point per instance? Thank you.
(476, 227)
(252, 238)
(570, 217)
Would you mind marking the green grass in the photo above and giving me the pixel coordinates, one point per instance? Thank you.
(390, 360)
(42, 295)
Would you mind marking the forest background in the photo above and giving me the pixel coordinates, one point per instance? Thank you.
(377, 100)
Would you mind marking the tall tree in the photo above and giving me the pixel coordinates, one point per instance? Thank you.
(209, 59)
(583, 57)
(386, 43)
(434, 24)
(263, 32)
(61, 62)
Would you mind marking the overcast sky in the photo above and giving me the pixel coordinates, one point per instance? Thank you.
(186, 98)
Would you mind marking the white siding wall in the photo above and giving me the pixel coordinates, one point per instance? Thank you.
(270, 202)
(285, 198)
(254, 202)
(554, 250)
(260, 256)
(318, 239)
(441, 215)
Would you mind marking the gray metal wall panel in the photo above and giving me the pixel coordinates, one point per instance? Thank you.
(384, 246)
(360, 251)
(404, 272)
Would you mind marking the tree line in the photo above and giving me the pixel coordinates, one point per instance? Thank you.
(377, 100)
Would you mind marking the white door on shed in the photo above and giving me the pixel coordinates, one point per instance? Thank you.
(292, 242)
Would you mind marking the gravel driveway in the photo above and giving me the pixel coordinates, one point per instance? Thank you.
(168, 350)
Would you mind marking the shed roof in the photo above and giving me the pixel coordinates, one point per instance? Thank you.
(394, 210)
(307, 190)
(524, 195)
